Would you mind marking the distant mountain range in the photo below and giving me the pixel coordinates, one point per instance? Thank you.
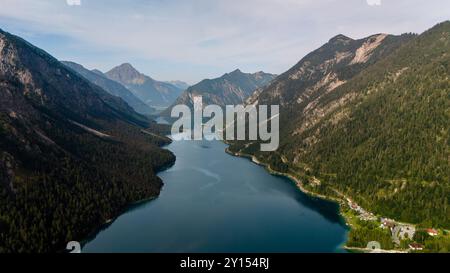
(154, 93)
(112, 87)
(180, 84)
(230, 89)
(72, 155)
(364, 119)
(368, 119)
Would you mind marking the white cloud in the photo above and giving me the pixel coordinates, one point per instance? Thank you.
(374, 2)
(195, 39)
(73, 2)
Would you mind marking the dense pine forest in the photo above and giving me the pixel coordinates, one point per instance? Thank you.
(383, 138)
(71, 156)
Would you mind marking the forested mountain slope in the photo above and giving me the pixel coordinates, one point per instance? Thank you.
(382, 137)
(71, 155)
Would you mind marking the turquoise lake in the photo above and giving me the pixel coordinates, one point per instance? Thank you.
(214, 202)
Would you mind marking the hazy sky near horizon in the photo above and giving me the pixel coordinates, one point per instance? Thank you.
(191, 40)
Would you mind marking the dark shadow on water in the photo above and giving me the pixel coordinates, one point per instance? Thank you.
(328, 209)
(105, 226)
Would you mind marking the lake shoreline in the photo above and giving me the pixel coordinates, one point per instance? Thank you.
(91, 235)
(110, 221)
(266, 191)
(344, 201)
(299, 185)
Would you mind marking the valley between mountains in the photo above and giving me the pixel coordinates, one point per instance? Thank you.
(364, 122)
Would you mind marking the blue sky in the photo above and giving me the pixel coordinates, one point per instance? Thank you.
(195, 39)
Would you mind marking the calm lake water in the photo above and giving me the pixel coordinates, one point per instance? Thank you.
(214, 202)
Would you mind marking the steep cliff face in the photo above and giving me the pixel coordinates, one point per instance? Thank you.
(369, 118)
(328, 67)
(318, 75)
(71, 155)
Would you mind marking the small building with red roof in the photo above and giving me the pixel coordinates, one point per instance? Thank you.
(432, 232)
